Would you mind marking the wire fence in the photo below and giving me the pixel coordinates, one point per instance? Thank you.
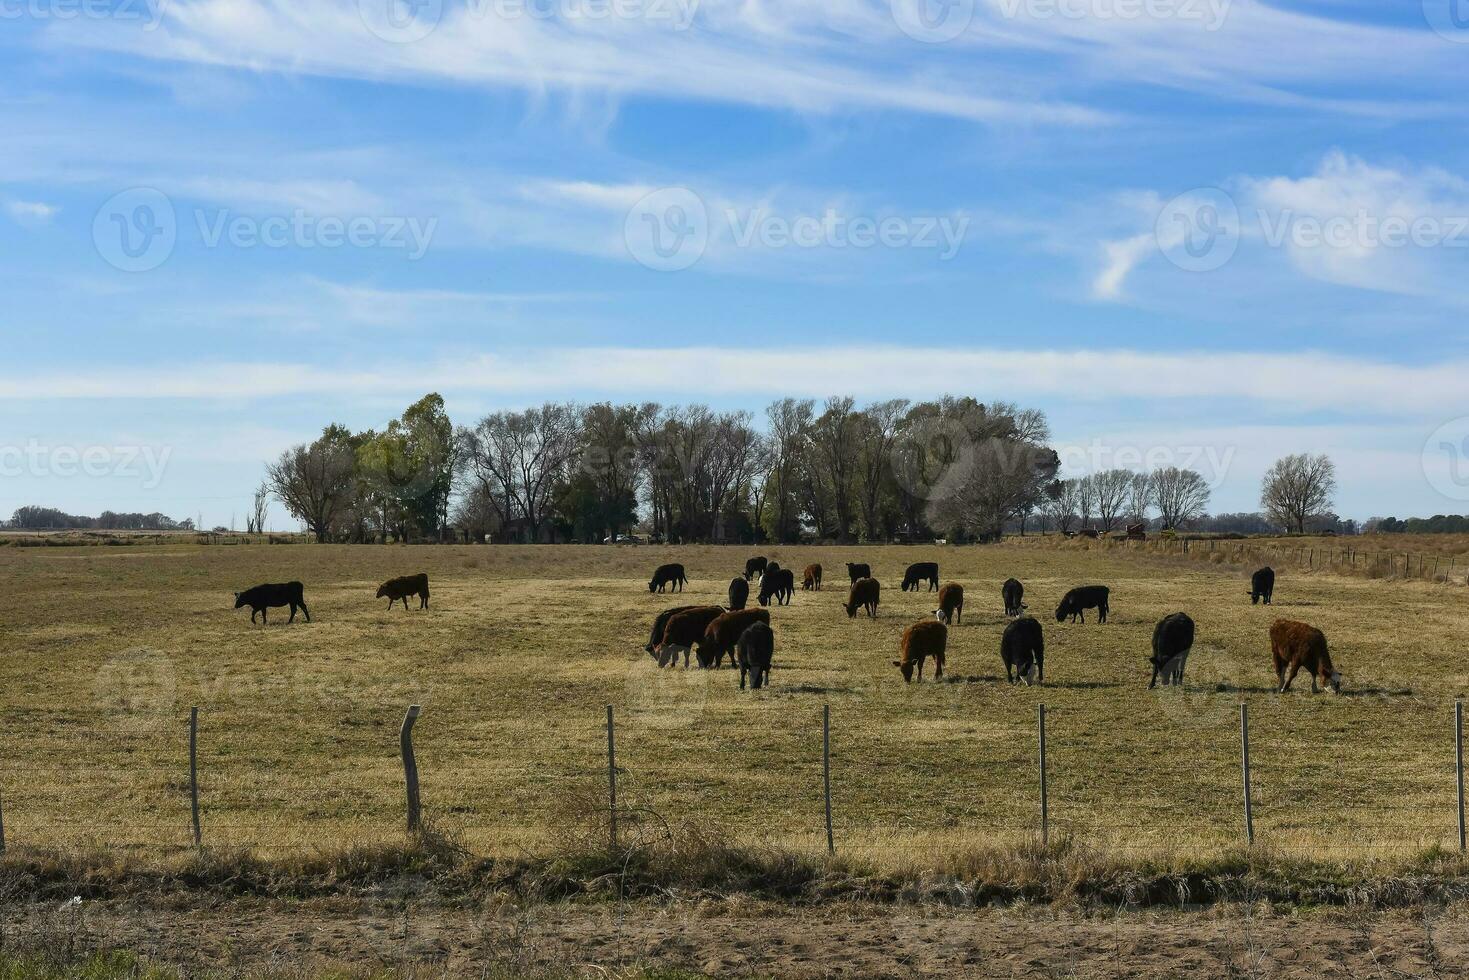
(838, 797)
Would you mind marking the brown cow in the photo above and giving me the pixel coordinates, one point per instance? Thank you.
(951, 603)
(864, 595)
(721, 635)
(921, 640)
(683, 631)
(1296, 645)
(811, 578)
(402, 588)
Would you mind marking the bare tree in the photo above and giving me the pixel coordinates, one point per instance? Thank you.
(877, 432)
(1062, 504)
(526, 455)
(1139, 497)
(1297, 488)
(1181, 495)
(1110, 490)
(834, 438)
(259, 508)
(315, 482)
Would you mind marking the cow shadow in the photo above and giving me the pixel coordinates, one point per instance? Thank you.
(1372, 692)
(1081, 685)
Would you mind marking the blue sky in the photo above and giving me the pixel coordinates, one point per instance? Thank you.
(1208, 231)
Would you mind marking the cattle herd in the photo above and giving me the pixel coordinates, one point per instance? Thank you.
(708, 634)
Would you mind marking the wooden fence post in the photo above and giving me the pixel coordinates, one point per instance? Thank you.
(1045, 795)
(1459, 763)
(831, 844)
(611, 778)
(2, 825)
(410, 766)
(1244, 741)
(194, 773)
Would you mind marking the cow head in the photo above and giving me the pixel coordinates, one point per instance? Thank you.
(851, 608)
(239, 599)
(941, 616)
(1335, 682)
(668, 653)
(653, 586)
(1061, 612)
(906, 669)
(1033, 675)
(382, 591)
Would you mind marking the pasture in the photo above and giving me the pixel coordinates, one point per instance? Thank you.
(103, 651)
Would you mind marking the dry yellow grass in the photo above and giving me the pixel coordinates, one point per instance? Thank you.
(104, 650)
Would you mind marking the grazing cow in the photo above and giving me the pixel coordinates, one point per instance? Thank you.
(920, 641)
(739, 593)
(721, 635)
(1262, 586)
(265, 597)
(811, 578)
(855, 572)
(661, 624)
(951, 604)
(1173, 638)
(667, 575)
(779, 585)
(1296, 645)
(920, 572)
(1023, 648)
(1013, 593)
(753, 567)
(1076, 602)
(864, 595)
(684, 631)
(755, 650)
(402, 588)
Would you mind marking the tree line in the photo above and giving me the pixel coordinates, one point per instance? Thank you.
(833, 470)
(32, 518)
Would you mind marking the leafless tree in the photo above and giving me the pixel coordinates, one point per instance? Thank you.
(1062, 504)
(1297, 488)
(1181, 495)
(877, 432)
(314, 481)
(1110, 490)
(525, 455)
(259, 508)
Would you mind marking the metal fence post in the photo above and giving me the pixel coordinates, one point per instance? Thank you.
(831, 846)
(410, 766)
(611, 778)
(1045, 794)
(194, 773)
(1459, 763)
(1244, 741)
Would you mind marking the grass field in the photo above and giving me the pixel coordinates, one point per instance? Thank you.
(104, 650)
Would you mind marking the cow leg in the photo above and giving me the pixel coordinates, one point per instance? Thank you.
(265, 615)
(1154, 682)
(1040, 668)
(1295, 669)
(742, 677)
(1313, 683)
(938, 668)
(920, 668)
(293, 614)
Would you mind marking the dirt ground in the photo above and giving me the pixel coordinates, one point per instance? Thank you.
(724, 939)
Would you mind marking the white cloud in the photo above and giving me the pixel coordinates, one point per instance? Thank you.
(31, 212)
(1283, 382)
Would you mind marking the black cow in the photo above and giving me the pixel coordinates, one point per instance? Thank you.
(660, 624)
(753, 652)
(401, 588)
(1013, 592)
(920, 572)
(855, 572)
(667, 575)
(1023, 648)
(753, 567)
(1173, 638)
(1262, 586)
(739, 593)
(1079, 600)
(779, 585)
(266, 597)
